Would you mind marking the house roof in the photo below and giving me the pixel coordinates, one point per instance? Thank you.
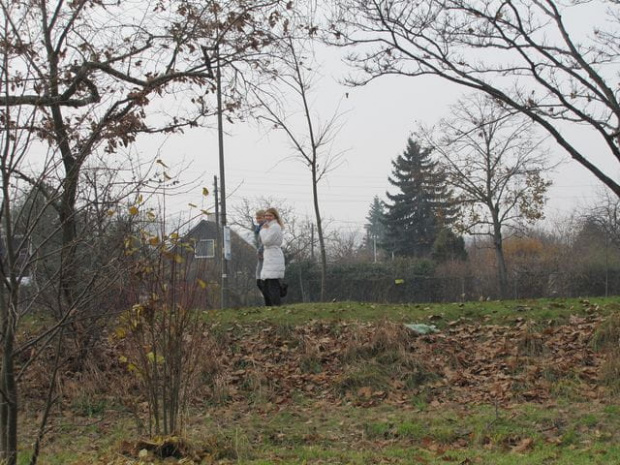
(206, 229)
(203, 230)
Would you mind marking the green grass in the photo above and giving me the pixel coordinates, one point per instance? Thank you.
(350, 428)
(487, 312)
(439, 436)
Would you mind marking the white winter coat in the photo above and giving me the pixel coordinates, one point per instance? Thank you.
(273, 257)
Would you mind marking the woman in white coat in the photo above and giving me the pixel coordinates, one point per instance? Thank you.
(273, 258)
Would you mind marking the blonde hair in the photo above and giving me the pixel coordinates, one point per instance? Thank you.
(276, 215)
(259, 213)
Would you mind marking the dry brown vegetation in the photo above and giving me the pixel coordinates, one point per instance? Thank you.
(334, 364)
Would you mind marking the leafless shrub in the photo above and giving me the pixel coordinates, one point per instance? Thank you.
(382, 338)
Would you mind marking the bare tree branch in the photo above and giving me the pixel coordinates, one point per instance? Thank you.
(524, 54)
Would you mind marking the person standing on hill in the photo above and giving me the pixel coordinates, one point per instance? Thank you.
(273, 267)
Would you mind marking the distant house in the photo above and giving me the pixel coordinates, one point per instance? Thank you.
(205, 263)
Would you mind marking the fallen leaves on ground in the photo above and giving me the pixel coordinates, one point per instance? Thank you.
(268, 367)
(467, 363)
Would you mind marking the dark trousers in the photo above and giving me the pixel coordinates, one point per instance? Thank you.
(271, 292)
(261, 285)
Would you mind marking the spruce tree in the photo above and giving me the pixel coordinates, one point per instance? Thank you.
(375, 227)
(422, 206)
(448, 247)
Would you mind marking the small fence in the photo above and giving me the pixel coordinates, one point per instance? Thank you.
(453, 289)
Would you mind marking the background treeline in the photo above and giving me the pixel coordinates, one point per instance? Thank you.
(543, 265)
(578, 258)
(463, 221)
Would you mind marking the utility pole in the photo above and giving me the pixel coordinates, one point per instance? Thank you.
(218, 233)
(312, 241)
(220, 135)
(217, 207)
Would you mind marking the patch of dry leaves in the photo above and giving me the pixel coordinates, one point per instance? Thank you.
(468, 364)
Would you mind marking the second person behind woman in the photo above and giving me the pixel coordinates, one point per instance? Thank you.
(273, 268)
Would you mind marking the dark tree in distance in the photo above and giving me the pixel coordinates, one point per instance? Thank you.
(422, 206)
(375, 227)
(605, 213)
(448, 247)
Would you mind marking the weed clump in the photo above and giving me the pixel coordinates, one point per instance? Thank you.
(607, 336)
(606, 340)
(531, 343)
(376, 340)
(381, 356)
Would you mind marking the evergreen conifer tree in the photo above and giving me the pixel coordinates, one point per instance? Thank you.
(448, 246)
(375, 226)
(422, 206)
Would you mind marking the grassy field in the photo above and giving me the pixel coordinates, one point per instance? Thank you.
(515, 382)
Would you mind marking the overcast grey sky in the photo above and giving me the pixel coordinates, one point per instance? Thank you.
(379, 118)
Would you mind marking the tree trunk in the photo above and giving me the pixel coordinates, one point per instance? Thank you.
(8, 322)
(66, 212)
(66, 209)
(8, 399)
(502, 271)
(319, 228)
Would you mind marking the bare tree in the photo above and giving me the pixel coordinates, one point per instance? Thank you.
(86, 78)
(30, 253)
(530, 55)
(12, 272)
(496, 163)
(606, 215)
(346, 246)
(312, 141)
(244, 211)
(94, 70)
